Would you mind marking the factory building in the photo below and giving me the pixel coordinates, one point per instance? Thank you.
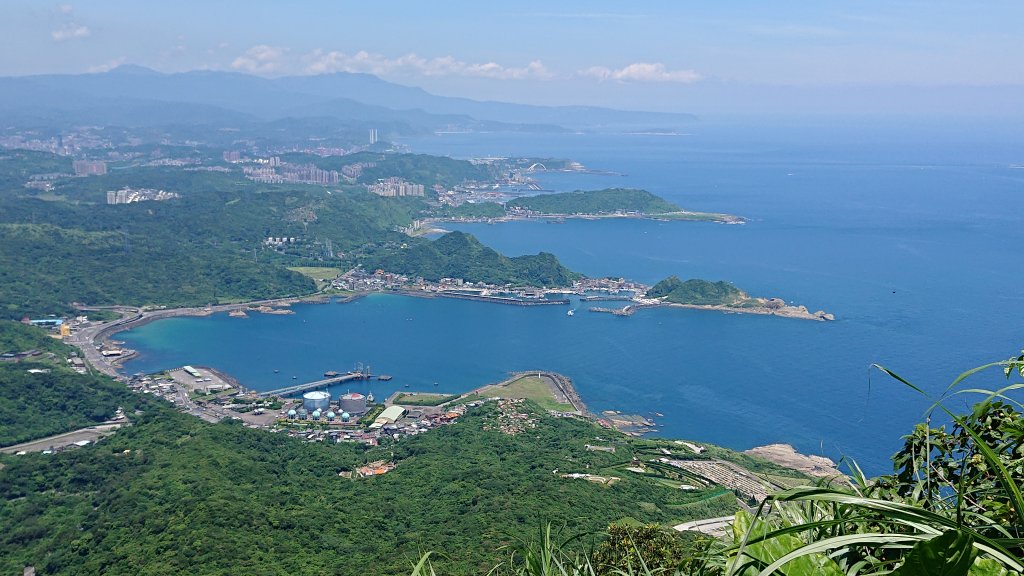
(390, 415)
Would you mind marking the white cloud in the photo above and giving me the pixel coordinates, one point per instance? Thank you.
(641, 72)
(66, 8)
(70, 31)
(320, 62)
(106, 66)
(261, 59)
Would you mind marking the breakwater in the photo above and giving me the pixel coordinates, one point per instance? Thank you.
(505, 300)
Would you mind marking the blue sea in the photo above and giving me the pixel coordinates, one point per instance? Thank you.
(908, 231)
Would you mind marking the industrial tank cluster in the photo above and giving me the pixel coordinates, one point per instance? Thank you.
(316, 405)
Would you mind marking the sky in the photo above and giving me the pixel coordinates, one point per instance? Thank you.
(663, 55)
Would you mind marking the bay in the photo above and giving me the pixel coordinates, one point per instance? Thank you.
(909, 235)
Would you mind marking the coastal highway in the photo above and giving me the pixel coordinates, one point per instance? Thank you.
(85, 338)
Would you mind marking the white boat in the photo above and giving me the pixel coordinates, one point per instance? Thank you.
(570, 312)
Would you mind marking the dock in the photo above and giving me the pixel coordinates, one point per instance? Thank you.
(297, 388)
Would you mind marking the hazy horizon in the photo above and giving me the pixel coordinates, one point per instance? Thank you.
(846, 57)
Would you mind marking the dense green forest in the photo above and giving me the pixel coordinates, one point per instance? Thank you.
(42, 404)
(39, 405)
(17, 337)
(173, 495)
(423, 169)
(696, 291)
(208, 246)
(460, 255)
(475, 210)
(46, 268)
(417, 168)
(595, 202)
(16, 166)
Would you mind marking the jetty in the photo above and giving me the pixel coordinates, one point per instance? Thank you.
(624, 311)
(297, 388)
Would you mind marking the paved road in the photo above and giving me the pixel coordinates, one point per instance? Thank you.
(92, 433)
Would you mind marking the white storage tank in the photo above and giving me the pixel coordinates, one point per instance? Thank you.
(316, 400)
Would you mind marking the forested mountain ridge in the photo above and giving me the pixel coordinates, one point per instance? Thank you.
(460, 255)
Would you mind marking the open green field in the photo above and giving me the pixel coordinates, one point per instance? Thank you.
(531, 387)
(423, 399)
(320, 275)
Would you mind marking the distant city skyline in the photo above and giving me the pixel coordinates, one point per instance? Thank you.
(661, 56)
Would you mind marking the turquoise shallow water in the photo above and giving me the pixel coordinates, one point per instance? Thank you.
(910, 239)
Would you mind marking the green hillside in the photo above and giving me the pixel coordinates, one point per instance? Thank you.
(595, 202)
(56, 400)
(173, 495)
(460, 255)
(696, 291)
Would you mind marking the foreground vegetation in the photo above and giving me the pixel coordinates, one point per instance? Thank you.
(222, 499)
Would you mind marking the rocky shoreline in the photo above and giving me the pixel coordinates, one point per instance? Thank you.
(432, 225)
(786, 455)
(798, 312)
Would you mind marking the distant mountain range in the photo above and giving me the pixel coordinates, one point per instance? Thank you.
(137, 96)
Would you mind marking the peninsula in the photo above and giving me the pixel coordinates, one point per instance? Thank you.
(724, 297)
(581, 204)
